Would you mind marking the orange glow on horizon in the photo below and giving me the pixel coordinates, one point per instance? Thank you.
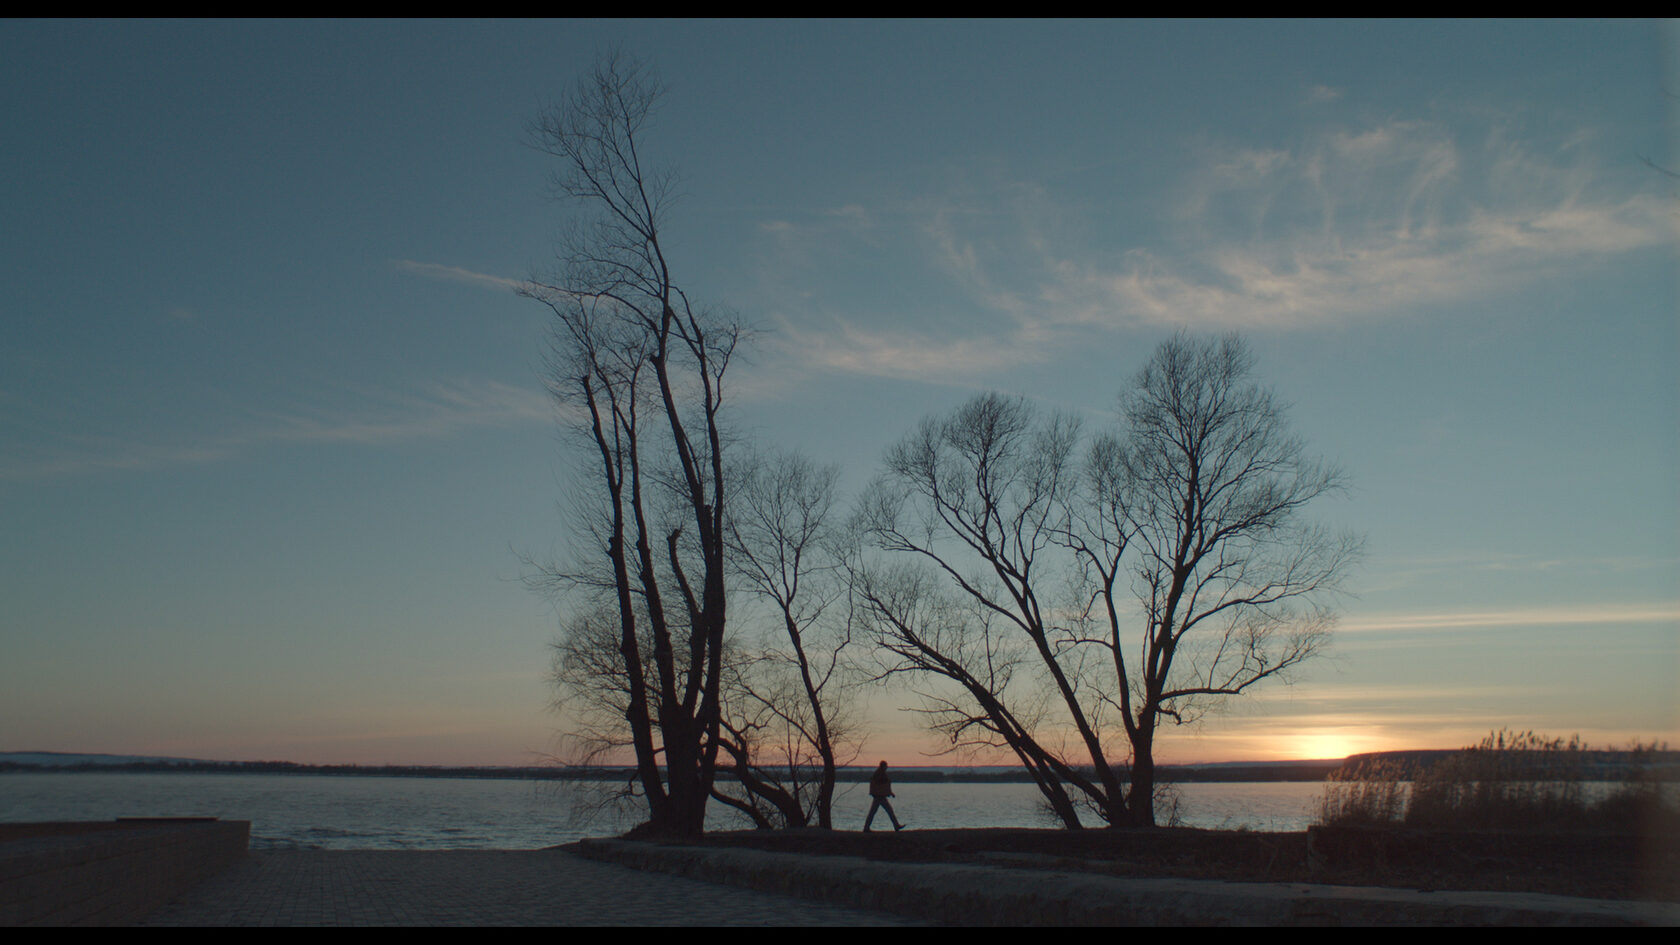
(1277, 738)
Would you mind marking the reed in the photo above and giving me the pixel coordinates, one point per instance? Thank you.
(1369, 792)
(1509, 780)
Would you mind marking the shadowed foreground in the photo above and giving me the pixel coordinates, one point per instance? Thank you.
(630, 883)
(969, 894)
(1588, 864)
(476, 888)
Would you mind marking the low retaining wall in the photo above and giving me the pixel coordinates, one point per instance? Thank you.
(109, 872)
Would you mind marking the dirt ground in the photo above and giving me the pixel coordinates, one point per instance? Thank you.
(1573, 864)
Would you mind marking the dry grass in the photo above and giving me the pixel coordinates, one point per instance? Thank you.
(1368, 795)
(1510, 780)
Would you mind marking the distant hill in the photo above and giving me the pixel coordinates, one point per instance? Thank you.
(62, 759)
(1594, 764)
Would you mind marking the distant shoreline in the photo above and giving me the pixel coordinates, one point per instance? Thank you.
(1599, 765)
(111, 764)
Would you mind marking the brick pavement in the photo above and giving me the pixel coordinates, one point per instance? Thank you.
(476, 888)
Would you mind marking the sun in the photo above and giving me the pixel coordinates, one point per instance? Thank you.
(1324, 745)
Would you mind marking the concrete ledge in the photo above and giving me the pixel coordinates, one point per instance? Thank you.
(109, 873)
(989, 895)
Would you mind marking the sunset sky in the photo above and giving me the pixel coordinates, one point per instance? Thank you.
(273, 433)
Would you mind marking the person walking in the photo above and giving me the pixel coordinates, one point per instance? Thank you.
(880, 788)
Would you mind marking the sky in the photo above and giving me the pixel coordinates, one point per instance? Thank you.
(275, 445)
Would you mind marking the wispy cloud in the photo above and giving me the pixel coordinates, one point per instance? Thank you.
(1319, 94)
(445, 409)
(964, 315)
(442, 411)
(1593, 615)
(1353, 223)
(1408, 571)
(1347, 696)
(1300, 281)
(1361, 222)
(852, 349)
(457, 274)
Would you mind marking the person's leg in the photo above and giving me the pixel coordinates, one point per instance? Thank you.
(888, 805)
(872, 809)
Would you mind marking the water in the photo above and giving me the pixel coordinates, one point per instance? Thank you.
(349, 812)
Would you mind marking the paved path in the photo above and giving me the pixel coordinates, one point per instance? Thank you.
(477, 887)
(558, 888)
(970, 894)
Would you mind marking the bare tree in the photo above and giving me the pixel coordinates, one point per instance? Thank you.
(983, 694)
(1188, 522)
(979, 496)
(785, 710)
(1231, 581)
(639, 371)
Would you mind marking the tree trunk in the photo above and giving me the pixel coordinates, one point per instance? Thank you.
(1140, 800)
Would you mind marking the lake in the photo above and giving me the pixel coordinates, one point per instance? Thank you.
(353, 812)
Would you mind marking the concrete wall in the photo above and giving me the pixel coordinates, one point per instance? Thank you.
(111, 872)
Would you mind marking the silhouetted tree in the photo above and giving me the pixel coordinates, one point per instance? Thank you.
(784, 705)
(1187, 522)
(638, 371)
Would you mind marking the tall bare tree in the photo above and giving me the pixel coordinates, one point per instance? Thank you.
(638, 370)
(1232, 582)
(1186, 524)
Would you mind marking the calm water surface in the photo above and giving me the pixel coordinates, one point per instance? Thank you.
(332, 812)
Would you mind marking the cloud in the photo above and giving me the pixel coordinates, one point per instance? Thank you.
(1343, 695)
(1583, 615)
(852, 349)
(1249, 164)
(445, 409)
(1295, 283)
(89, 454)
(442, 411)
(852, 213)
(1412, 570)
(1361, 223)
(1353, 223)
(457, 274)
(950, 309)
